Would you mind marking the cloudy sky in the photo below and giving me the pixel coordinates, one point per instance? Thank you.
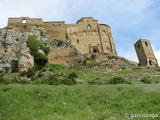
(129, 20)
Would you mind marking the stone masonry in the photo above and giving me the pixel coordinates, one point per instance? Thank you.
(145, 53)
(87, 35)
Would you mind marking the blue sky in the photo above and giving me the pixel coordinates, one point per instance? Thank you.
(129, 20)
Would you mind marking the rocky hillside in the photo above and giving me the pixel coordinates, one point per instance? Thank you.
(21, 50)
(105, 63)
(15, 54)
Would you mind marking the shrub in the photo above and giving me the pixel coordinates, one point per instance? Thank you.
(54, 80)
(22, 73)
(118, 80)
(66, 35)
(78, 60)
(112, 57)
(40, 60)
(93, 64)
(34, 45)
(2, 80)
(84, 62)
(51, 80)
(73, 75)
(146, 80)
(42, 33)
(31, 72)
(69, 81)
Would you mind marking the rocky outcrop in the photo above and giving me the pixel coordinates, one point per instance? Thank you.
(15, 55)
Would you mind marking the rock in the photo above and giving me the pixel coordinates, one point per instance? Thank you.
(14, 53)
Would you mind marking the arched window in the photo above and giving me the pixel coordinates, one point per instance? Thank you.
(24, 21)
(84, 33)
(74, 34)
(146, 44)
(77, 40)
(138, 46)
(89, 27)
(150, 63)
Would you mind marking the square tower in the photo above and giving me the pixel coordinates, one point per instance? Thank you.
(145, 53)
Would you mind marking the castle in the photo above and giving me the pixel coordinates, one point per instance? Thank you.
(87, 34)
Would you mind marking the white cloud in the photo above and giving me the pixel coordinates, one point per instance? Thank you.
(157, 54)
(130, 55)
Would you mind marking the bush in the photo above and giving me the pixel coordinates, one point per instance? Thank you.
(146, 80)
(84, 62)
(118, 80)
(31, 72)
(42, 33)
(34, 45)
(66, 35)
(93, 64)
(54, 80)
(73, 75)
(81, 61)
(51, 80)
(40, 60)
(2, 80)
(69, 81)
(112, 57)
(78, 61)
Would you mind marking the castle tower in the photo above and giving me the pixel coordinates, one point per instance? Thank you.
(145, 53)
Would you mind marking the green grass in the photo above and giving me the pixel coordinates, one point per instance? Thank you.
(96, 101)
(11, 75)
(94, 77)
(79, 102)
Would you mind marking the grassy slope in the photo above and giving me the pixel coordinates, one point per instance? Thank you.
(79, 102)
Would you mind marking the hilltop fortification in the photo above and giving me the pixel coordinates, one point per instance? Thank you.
(87, 34)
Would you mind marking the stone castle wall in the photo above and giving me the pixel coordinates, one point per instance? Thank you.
(86, 35)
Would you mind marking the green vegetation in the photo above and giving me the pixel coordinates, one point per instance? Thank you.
(78, 102)
(93, 64)
(36, 45)
(99, 96)
(66, 35)
(138, 76)
(42, 33)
